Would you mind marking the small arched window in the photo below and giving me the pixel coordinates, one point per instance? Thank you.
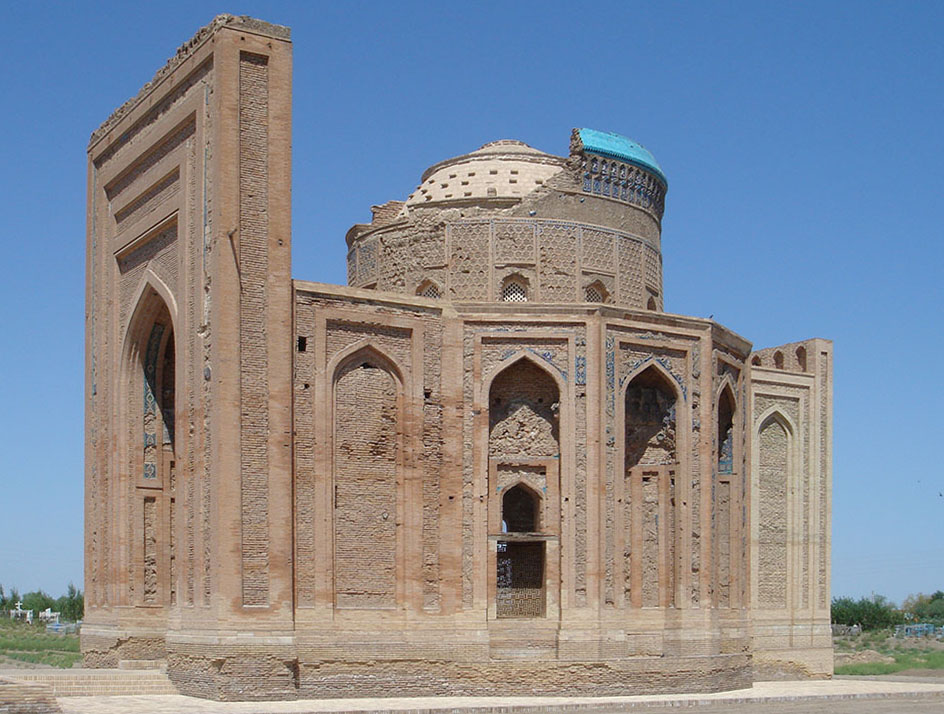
(514, 289)
(595, 292)
(519, 510)
(651, 305)
(801, 358)
(778, 359)
(755, 360)
(429, 289)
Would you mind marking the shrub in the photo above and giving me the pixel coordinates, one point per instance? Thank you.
(871, 613)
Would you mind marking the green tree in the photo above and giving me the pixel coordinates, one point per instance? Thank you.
(872, 613)
(37, 601)
(71, 605)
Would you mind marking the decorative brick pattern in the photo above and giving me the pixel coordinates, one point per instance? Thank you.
(772, 519)
(334, 490)
(522, 413)
(557, 246)
(630, 257)
(514, 242)
(166, 188)
(468, 261)
(598, 252)
(160, 251)
(253, 345)
(366, 449)
(150, 550)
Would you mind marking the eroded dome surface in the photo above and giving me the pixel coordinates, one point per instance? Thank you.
(500, 169)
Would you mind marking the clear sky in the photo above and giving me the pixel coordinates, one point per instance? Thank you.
(803, 144)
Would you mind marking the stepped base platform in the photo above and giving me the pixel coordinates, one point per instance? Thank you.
(79, 682)
(826, 694)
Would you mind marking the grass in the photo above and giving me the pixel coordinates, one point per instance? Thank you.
(907, 654)
(31, 643)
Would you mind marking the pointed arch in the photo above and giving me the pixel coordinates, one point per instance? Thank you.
(523, 410)
(726, 496)
(651, 448)
(364, 351)
(367, 461)
(515, 288)
(521, 509)
(148, 445)
(801, 358)
(725, 410)
(650, 397)
(775, 413)
(650, 363)
(429, 288)
(774, 478)
(149, 286)
(596, 292)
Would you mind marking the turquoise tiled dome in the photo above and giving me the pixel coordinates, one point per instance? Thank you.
(616, 146)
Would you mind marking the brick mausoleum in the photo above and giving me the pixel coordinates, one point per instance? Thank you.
(492, 464)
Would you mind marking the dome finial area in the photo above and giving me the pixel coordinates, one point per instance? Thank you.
(617, 146)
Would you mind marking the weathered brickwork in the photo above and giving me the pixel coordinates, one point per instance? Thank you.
(790, 388)
(493, 463)
(772, 512)
(366, 456)
(253, 349)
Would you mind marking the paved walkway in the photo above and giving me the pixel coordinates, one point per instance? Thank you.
(764, 696)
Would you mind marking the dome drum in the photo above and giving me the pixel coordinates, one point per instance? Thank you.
(471, 257)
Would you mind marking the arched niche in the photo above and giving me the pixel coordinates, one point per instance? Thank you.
(773, 481)
(367, 462)
(801, 358)
(521, 509)
(524, 501)
(515, 288)
(725, 436)
(523, 409)
(726, 500)
(148, 446)
(650, 462)
(650, 419)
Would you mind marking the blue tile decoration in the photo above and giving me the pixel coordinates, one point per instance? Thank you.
(150, 401)
(665, 364)
(580, 370)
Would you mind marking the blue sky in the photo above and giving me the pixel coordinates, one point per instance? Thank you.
(803, 144)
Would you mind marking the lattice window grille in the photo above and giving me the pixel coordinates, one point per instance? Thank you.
(430, 290)
(593, 293)
(514, 291)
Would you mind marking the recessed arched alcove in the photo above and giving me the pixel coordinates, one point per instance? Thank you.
(149, 450)
(520, 510)
(726, 500)
(367, 463)
(650, 453)
(523, 412)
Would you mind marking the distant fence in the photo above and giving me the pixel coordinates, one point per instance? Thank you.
(923, 629)
(63, 628)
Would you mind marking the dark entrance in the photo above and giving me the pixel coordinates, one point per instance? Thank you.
(520, 591)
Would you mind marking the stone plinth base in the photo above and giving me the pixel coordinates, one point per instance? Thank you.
(254, 673)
